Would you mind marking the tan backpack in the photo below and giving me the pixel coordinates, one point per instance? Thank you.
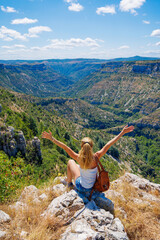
(102, 182)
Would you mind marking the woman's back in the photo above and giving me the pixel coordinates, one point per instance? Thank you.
(88, 176)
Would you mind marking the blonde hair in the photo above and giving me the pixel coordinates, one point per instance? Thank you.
(86, 153)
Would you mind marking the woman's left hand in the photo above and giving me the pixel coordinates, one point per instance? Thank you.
(127, 129)
(47, 135)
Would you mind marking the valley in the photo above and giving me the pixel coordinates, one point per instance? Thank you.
(77, 98)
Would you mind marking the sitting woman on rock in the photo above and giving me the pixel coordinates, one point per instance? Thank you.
(84, 173)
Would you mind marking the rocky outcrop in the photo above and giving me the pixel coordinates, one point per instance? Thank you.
(4, 217)
(37, 148)
(11, 141)
(148, 68)
(83, 219)
(138, 182)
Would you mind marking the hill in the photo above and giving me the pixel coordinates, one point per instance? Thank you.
(34, 79)
(130, 89)
(102, 103)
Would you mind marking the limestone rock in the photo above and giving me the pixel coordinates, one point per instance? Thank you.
(80, 230)
(61, 204)
(23, 235)
(58, 180)
(138, 182)
(112, 235)
(21, 142)
(2, 234)
(86, 221)
(30, 192)
(114, 194)
(59, 188)
(43, 197)
(11, 143)
(4, 217)
(18, 206)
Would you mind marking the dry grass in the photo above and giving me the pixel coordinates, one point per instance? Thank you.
(142, 217)
(29, 219)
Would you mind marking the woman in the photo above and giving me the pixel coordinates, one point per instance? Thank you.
(84, 174)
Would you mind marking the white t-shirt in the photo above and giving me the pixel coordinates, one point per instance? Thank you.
(88, 177)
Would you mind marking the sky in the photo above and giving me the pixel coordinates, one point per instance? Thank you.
(60, 29)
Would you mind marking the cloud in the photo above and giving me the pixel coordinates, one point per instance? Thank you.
(8, 9)
(124, 47)
(158, 44)
(32, 32)
(19, 46)
(76, 7)
(10, 34)
(146, 22)
(130, 5)
(24, 21)
(69, 43)
(107, 9)
(157, 52)
(69, 1)
(155, 33)
(73, 42)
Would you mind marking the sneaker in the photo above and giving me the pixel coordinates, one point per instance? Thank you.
(70, 185)
(64, 181)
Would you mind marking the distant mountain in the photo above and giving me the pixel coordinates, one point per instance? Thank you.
(35, 79)
(72, 69)
(134, 58)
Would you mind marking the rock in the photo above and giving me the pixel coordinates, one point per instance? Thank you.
(36, 201)
(86, 221)
(117, 225)
(18, 205)
(80, 230)
(12, 142)
(138, 182)
(30, 192)
(61, 204)
(0, 108)
(4, 217)
(21, 142)
(43, 197)
(23, 235)
(2, 234)
(114, 194)
(58, 180)
(92, 217)
(112, 235)
(60, 188)
(37, 148)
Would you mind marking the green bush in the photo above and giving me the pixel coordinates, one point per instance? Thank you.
(13, 174)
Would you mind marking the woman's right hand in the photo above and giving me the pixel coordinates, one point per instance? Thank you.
(47, 135)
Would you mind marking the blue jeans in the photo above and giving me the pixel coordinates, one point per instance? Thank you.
(79, 186)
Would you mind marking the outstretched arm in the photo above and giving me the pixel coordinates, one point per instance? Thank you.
(125, 130)
(70, 152)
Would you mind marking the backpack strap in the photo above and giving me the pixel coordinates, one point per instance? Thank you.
(99, 170)
(99, 164)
